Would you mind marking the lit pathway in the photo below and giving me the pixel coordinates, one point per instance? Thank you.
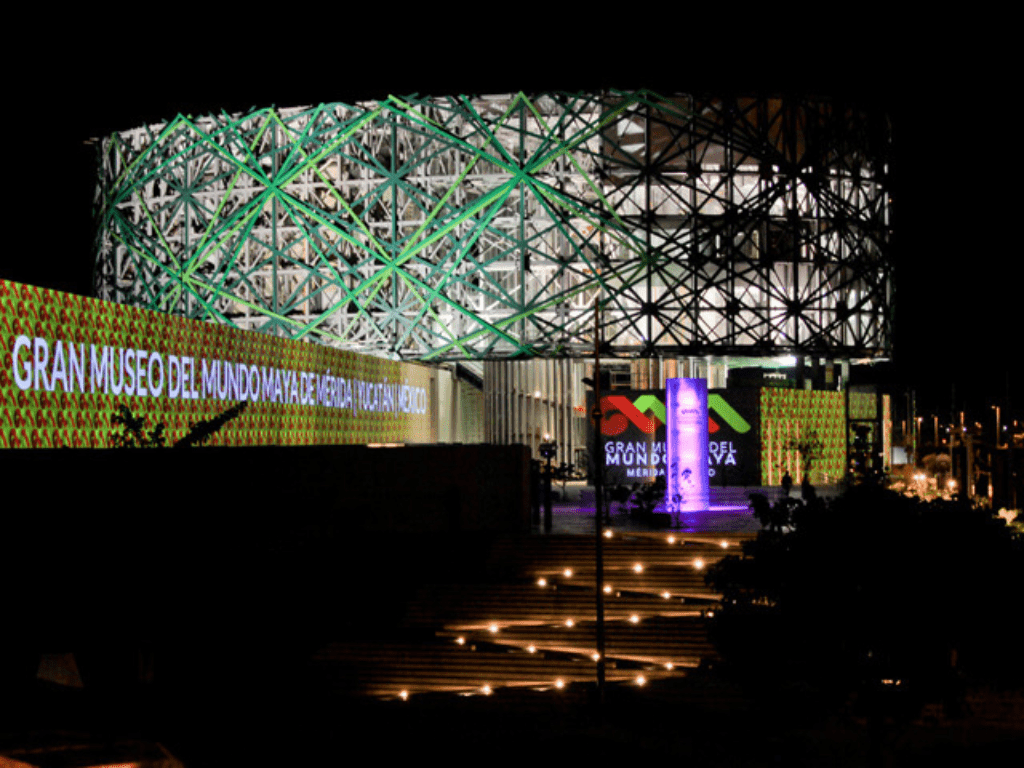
(537, 628)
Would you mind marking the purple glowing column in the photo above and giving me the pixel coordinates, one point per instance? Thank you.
(687, 445)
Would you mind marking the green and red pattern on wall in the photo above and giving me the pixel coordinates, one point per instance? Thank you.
(68, 414)
(789, 416)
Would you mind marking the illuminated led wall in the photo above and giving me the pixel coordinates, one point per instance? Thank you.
(791, 417)
(686, 443)
(633, 436)
(69, 362)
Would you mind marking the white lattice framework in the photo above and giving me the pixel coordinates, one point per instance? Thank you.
(487, 227)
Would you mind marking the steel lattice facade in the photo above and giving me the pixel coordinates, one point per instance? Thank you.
(487, 227)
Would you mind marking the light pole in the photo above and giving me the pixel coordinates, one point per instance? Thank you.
(997, 424)
(598, 512)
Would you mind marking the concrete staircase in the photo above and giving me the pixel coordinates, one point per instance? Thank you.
(535, 627)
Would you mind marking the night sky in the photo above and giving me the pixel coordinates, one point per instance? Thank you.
(956, 285)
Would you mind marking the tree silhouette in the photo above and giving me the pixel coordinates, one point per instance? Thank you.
(872, 601)
(135, 433)
(809, 448)
(201, 431)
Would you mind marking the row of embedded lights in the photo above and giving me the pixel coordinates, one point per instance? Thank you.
(559, 683)
(595, 657)
(487, 690)
(608, 588)
(639, 567)
(723, 543)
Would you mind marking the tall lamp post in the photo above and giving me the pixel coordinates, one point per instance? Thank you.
(598, 511)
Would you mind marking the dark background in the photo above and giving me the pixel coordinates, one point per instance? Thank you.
(79, 75)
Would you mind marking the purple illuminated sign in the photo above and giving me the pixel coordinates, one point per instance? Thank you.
(687, 445)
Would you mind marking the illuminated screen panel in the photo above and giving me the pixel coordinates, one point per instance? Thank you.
(633, 436)
(687, 444)
(69, 362)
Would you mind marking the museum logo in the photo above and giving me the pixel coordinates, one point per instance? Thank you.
(618, 412)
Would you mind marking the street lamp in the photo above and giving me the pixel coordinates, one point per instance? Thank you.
(598, 463)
